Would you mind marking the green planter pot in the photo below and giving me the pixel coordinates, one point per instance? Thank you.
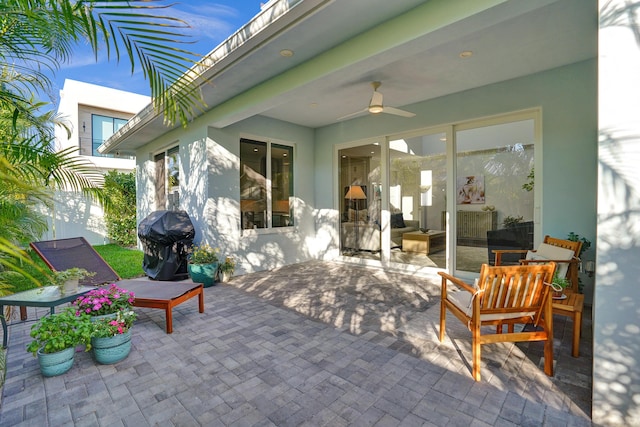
(203, 273)
(53, 364)
(111, 350)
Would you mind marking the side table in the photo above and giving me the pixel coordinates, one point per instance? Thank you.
(47, 296)
(427, 243)
(572, 306)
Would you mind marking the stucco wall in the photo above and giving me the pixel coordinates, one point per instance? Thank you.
(210, 193)
(567, 97)
(616, 361)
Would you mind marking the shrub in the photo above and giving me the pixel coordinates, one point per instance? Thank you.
(120, 212)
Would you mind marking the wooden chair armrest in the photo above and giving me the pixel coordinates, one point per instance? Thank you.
(457, 282)
(541, 261)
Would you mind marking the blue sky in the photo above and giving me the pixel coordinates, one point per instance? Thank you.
(212, 23)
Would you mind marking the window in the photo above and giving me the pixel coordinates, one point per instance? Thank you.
(266, 185)
(102, 127)
(168, 179)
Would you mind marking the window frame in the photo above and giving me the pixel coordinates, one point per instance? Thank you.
(269, 227)
(163, 185)
(115, 121)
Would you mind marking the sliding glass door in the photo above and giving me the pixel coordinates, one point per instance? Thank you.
(443, 198)
(493, 191)
(417, 199)
(360, 195)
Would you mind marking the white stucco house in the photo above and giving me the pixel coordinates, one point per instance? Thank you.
(93, 113)
(296, 157)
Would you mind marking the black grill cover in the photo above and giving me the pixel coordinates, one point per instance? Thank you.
(166, 237)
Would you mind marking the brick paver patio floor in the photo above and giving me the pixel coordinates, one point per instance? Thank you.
(313, 344)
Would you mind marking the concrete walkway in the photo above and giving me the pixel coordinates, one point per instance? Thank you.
(312, 344)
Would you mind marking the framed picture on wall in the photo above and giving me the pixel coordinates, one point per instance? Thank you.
(470, 190)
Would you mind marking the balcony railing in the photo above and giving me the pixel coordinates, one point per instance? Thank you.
(89, 147)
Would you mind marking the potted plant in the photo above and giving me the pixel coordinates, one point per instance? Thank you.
(68, 280)
(559, 284)
(586, 244)
(203, 264)
(55, 338)
(104, 302)
(227, 268)
(111, 338)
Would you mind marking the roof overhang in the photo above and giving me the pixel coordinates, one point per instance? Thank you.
(412, 46)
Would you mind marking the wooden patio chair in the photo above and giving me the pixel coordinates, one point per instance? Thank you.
(62, 254)
(565, 253)
(505, 295)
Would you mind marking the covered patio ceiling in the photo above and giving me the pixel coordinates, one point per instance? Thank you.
(339, 48)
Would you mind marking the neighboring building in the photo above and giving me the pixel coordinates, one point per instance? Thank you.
(93, 113)
(278, 170)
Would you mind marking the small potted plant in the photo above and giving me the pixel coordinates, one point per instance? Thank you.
(55, 338)
(106, 301)
(203, 264)
(227, 268)
(512, 221)
(68, 280)
(111, 338)
(559, 284)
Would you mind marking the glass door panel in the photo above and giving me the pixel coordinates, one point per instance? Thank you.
(494, 205)
(417, 200)
(360, 201)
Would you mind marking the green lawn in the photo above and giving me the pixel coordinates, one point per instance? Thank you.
(126, 262)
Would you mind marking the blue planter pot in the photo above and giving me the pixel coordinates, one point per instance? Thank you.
(53, 364)
(203, 273)
(110, 316)
(111, 349)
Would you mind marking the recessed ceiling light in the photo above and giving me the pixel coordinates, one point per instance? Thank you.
(313, 105)
(287, 53)
(466, 54)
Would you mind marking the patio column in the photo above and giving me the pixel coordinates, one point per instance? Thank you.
(616, 353)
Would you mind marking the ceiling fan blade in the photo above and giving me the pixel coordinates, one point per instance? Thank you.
(357, 113)
(376, 99)
(397, 112)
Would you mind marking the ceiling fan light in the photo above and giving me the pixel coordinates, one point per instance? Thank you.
(375, 109)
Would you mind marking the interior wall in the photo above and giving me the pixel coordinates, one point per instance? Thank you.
(616, 352)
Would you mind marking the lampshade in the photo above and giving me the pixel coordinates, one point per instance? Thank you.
(355, 193)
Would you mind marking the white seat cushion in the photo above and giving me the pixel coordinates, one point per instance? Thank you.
(463, 300)
(551, 252)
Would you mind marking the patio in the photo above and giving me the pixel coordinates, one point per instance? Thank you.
(310, 344)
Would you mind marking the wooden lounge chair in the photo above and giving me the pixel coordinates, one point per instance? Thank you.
(62, 254)
(504, 296)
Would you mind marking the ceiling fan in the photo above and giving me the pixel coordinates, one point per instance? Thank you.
(376, 106)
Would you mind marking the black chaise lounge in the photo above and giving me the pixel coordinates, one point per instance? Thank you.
(62, 254)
